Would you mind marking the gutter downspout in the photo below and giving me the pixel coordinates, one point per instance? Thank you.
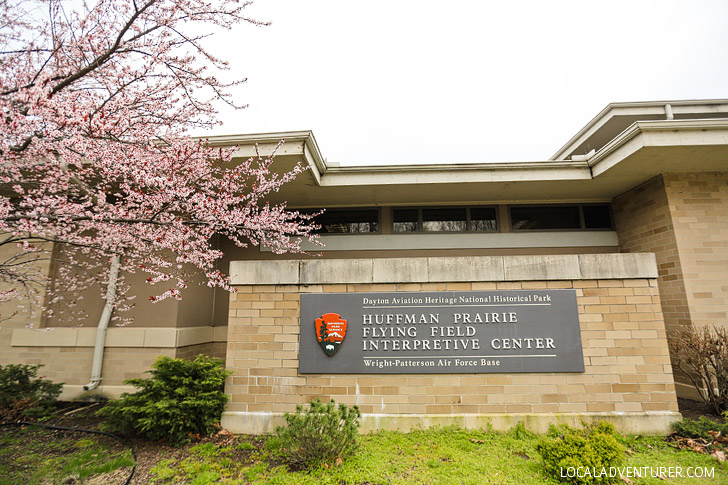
(98, 358)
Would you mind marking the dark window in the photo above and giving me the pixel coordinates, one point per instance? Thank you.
(545, 217)
(597, 217)
(347, 221)
(560, 217)
(444, 219)
(483, 219)
(405, 220)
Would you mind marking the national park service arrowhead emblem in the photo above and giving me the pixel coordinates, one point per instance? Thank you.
(330, 332)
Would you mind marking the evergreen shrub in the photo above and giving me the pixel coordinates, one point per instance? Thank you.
(594, 449)
(182, 399)
(699, 428)
(320, 435)
(24, 394)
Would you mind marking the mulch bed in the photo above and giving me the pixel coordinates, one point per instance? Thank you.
(695, 409)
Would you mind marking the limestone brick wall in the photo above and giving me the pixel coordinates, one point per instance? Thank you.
(72, 365)
(622, 330)
(213, 349)
(67, 353)
(644, 224)
(66, 350)
(683, 220)
(698, 206)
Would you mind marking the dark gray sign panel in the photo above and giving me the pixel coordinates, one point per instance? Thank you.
(440, 332)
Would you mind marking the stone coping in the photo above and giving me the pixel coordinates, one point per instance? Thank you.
(649, 422)
(129, 337)
(76, 392)
(445, 269)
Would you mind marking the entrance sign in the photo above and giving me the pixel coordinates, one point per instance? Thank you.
(440, 332)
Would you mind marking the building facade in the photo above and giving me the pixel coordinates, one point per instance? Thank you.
(628, 222)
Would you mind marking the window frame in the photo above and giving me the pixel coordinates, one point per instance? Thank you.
(468, 219)
(378, 211)
(582, 221)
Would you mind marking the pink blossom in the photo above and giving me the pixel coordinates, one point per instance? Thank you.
(94, 109)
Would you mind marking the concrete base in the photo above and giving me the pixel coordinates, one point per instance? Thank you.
(101, 393)
(649, 423)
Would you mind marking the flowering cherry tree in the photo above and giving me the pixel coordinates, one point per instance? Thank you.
(95, 104)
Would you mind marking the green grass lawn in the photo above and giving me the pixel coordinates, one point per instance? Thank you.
(445, 455)
(441, 455)
(40, 456)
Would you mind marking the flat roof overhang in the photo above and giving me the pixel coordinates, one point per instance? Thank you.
(617, 117)
(639, 153)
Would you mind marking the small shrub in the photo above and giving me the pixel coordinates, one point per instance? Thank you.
(320, 435)
(181, 399)
(593, 448)
(700, 428)
(520, 432)
(702, 354)
(24, 394)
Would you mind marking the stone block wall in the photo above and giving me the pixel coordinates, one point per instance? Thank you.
(213, 349)
(72, 366)
(644, 224)
(698, 206)
(628, 376)
(65, 347)
(683, 220)
(67, 353)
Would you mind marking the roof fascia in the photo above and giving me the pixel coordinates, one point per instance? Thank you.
(608, 156)
(603, 160)
(348, 175)
(451, 167)
(637, 107)
(311, 152)
(456, 173)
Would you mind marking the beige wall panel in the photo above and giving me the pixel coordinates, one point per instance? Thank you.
(196, 306)
(66, 353)
(644, 224)
(23, 312)
(144, 313)
(699, 211)
(683, 219)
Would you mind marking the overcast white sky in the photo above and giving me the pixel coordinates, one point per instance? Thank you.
(403, 81)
